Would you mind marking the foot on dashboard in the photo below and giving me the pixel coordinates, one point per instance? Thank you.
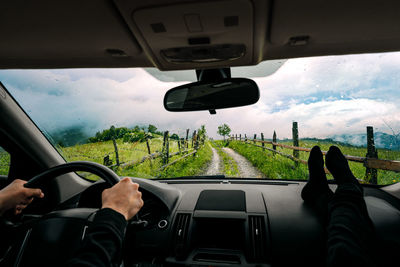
(317, 184)
(339, 167)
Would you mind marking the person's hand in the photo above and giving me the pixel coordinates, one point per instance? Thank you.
(16, 197)
(124, 197)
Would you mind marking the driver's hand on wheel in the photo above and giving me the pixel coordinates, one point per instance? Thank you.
(16, 197)
(124, 197)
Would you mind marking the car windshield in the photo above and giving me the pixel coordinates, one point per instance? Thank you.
(116, 117)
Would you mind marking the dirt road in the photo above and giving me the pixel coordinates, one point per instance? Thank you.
(246, 169)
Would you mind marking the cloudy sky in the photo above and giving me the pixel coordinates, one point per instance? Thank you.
(325, 95)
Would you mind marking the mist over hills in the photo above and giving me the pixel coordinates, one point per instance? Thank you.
(382, 140)
(68, 136)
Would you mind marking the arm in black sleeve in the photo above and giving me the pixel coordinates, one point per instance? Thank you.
(103, 241)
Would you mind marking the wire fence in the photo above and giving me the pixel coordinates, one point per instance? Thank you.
(116, 153)
(370, 161)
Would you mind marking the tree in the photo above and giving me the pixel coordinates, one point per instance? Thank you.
(152, 128)
(174, 136)
(112, 133)
(202, 131)
(120, 132)
(224, 130)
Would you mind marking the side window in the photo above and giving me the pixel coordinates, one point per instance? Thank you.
(4, 162)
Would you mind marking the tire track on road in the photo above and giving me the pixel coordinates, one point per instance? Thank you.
(215, 165)
(246, 169)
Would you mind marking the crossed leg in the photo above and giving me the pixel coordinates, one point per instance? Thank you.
(350, 233)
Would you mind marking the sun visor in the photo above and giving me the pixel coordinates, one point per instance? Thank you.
(199, 34)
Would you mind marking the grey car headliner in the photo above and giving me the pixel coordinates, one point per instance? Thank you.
(77, 34)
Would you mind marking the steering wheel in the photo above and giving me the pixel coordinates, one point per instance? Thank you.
(54, 237)
(100, 170)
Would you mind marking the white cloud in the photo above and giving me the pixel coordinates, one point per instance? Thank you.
(326, 95)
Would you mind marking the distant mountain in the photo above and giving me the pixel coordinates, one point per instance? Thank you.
(69, 136)
(382, 140)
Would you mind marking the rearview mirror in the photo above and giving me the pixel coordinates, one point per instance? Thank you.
(224, 93)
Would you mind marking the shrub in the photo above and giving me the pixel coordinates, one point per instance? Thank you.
(135, 137)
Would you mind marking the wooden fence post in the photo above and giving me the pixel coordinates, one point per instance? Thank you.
(116, 152)
(148, 149)
(194, 134)
(240, 137)
(274, 141)
(262, 139)
(165, 148)
(163, 144)
(236, 137)
(182, 141)
(107, 161)
(179, 146)
(187, 139)
(245, 137)
(254, 139)
(148, 145)
(195, 143)
(371, 174)
(295, 134)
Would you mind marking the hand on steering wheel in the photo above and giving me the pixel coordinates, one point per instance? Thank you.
(16, 197)
(124, 197)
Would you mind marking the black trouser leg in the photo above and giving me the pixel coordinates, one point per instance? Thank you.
(351, 235)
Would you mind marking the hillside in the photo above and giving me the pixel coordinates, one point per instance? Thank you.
(382, 140)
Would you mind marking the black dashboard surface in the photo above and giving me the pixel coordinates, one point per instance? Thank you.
(243, 223)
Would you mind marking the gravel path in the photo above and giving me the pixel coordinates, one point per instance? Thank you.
(246, 169)
(214, 167)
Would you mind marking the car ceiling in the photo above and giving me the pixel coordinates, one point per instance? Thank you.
(106, 33)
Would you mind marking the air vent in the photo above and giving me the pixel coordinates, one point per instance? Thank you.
(258, 240)
(181, 229)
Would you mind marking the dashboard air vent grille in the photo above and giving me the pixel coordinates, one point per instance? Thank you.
(257, 238)
(181, 229)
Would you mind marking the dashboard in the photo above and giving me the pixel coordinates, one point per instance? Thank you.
(234, 222)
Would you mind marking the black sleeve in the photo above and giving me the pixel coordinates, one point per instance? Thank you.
(103, 242)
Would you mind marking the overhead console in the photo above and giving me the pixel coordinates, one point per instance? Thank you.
(219, 232)
(201, 32)
(197, 34)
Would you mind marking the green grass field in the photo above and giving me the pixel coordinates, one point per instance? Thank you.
(128, 152)
(4, 162)
(191, 165)
(276, 166)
